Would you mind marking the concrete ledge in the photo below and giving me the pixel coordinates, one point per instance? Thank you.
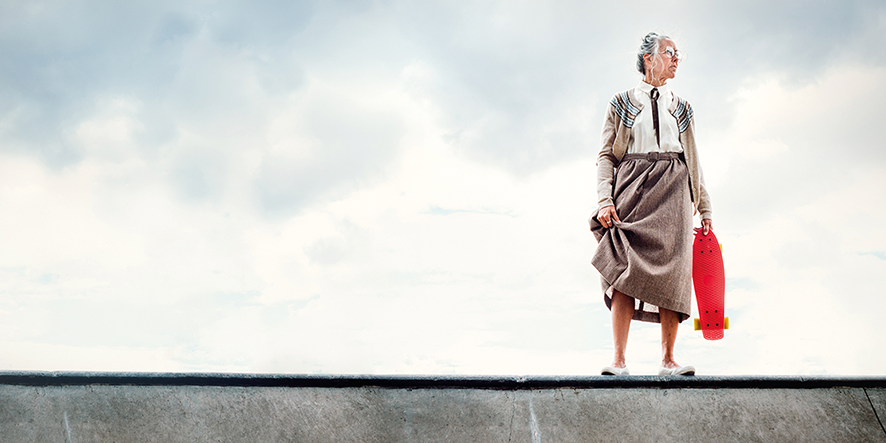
(75, 407)
(33, 378)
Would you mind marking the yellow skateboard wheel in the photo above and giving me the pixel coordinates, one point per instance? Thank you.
(726, 323)
(697, 324)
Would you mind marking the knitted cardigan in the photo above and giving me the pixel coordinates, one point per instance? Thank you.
(620, 116)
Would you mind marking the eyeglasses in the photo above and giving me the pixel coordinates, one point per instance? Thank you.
(672, 53)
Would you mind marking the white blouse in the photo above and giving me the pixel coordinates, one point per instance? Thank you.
(642, 138)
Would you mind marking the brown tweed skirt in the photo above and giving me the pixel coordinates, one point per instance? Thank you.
(648, 255)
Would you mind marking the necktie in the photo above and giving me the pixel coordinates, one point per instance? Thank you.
(654, 97)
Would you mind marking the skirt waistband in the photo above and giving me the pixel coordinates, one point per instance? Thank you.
(654, 156)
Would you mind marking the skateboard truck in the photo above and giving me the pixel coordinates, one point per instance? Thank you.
(698, 323)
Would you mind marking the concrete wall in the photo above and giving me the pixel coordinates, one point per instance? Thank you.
(137, 408)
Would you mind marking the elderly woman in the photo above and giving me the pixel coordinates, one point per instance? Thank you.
(649, 186)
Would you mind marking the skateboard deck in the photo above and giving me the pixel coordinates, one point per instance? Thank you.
(709, 280)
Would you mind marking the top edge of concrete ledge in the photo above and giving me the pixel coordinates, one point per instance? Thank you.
(38, 378)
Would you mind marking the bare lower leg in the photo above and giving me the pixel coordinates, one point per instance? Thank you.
(670, 323)
(622, 313)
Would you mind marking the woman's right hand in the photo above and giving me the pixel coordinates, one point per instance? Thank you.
(606, 216)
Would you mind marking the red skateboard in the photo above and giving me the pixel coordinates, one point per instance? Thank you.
(709, 280)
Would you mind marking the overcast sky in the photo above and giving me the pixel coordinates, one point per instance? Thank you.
(402, 187)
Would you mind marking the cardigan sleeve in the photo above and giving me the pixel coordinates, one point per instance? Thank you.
(606, 160)
(704, 199)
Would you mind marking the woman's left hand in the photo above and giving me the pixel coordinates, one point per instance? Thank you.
(706, 226)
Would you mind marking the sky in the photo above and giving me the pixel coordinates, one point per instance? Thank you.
(403, 187)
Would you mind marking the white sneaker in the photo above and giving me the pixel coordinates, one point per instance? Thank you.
(681, 370)
(609, 370)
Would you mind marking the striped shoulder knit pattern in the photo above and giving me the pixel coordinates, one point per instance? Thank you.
(683, 114)
(625, 110)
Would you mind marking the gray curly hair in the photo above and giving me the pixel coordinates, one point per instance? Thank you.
(649, 46)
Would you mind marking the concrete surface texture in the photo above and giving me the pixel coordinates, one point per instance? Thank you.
(153, 409)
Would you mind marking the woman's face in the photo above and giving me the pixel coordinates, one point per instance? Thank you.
(663, 65)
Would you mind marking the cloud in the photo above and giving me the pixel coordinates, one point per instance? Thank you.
(513, 92)
(788, 145)
(247, 24)
(326, 144)
(58, 56)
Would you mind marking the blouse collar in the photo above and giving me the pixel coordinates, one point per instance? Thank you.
(646, 88)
